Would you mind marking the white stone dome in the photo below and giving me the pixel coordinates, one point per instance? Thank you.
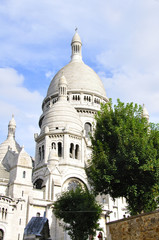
(62, 115)
(80, 77)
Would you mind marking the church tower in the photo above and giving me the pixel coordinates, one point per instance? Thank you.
(63, 145)
(29, 188)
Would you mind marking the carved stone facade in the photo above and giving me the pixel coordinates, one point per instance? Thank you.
(62, 149)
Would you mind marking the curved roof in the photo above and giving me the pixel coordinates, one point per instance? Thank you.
(62, 115)
(80, 77)
(76, 38)
(8, 143)
(4, 174)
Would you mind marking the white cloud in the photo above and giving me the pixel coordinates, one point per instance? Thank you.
(49, 74)
(24, 104)
(132, 86)
(120, 41)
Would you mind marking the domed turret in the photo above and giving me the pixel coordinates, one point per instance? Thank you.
(10, 141)
(80, 77)
(76, 45)
(62, 115)
(62, 88)
(145, 113)
(11, 127)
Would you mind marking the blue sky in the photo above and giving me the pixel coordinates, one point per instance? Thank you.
(120, 42)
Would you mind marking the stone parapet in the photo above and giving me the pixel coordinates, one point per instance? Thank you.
(139, 227)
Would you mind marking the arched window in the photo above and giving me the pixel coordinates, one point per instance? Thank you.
(77, 152)
(53, 145)
(24, 174)
(40, 153)
(88, 129)
(71, 150)
(1, 234)
(2, 212)
(38, 183)
(59, 149)
(43, 152)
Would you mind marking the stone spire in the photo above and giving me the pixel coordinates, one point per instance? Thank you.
(10, 142)
(11, 127)
(145, 113)
(76, 45)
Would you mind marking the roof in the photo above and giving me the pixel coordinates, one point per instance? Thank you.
(80, 77)
(37, 226)
(4, 174)
(62, 115)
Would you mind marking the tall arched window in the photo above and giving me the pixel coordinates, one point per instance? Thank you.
(1, 234)
(71, 150)
(59, 149)
(24, 174)
(88, 129)
(43, 152)
(40, 153)
(77, 152)
(2, 212)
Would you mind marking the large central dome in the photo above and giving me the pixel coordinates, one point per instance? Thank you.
(80, 77)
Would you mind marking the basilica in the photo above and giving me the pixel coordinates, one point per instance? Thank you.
(28, 186)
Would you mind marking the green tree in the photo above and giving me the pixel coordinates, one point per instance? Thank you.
(125, 157)
(79, 211)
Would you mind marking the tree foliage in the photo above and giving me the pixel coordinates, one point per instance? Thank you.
(79, 211)
(125, 157)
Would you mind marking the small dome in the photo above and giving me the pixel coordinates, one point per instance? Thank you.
(10, 141)
(76, 38)
(62, 80)
(12, 122)
(61, 116)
